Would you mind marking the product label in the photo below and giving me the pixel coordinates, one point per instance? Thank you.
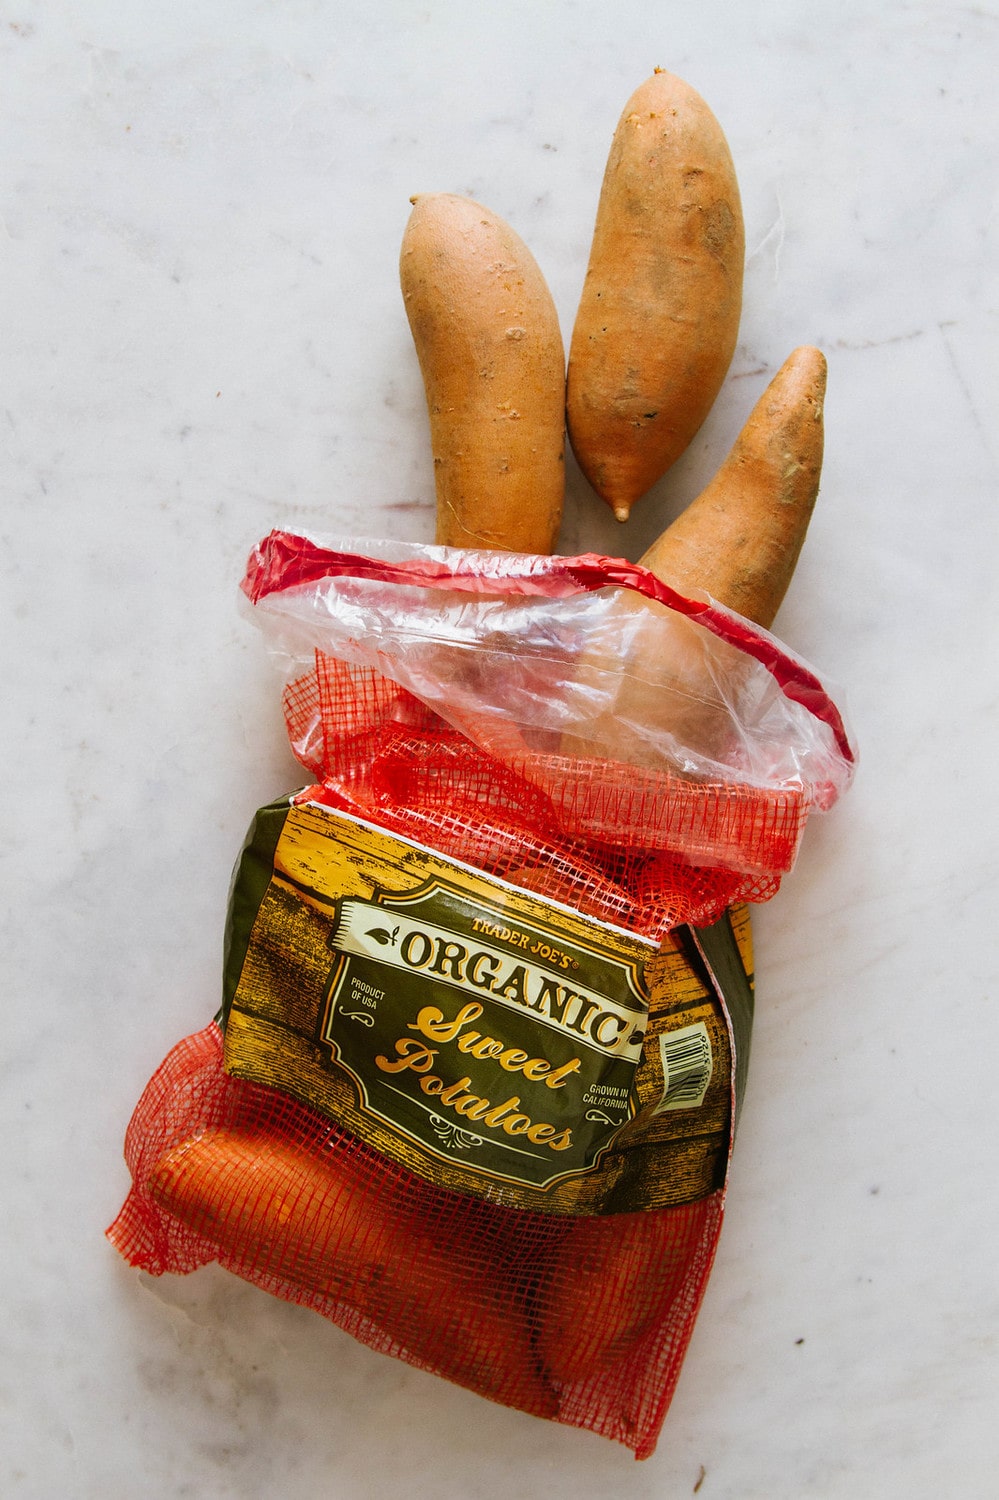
(488, 1038)
(473, 1029)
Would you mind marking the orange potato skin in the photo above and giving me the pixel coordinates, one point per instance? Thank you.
(321, 1226)
(490, 349)
(740, 539)
(616, 1282)
(738, 542)
(659, 312)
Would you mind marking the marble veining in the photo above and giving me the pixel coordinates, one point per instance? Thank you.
(203, 337)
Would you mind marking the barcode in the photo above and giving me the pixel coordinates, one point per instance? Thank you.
(687, 1062)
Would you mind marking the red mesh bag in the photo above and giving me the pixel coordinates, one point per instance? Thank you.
(487, 994)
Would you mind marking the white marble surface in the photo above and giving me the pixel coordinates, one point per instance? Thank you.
(202, 337)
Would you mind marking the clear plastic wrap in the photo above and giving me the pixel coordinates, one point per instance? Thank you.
(578, 673)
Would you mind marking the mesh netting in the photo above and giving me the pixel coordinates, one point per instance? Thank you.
(580, 1320)
(583, 1321)
(602, 836)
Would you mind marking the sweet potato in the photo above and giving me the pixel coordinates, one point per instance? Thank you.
(493, 364)
(740, 539)
(738, 542)
(659, 313)
(614, 1281)
(318, 1224)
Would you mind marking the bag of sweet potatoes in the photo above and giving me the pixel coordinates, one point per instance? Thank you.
(487, 981)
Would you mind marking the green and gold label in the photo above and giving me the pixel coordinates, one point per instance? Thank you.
(488, 1038)
(473, 1028)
